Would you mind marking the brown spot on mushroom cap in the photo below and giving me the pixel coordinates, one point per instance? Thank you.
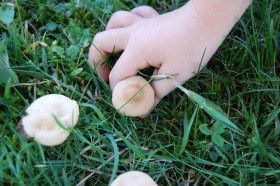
(134, 178)
(133, 96)
(40, 123)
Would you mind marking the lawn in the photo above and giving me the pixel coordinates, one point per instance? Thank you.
(43, 49)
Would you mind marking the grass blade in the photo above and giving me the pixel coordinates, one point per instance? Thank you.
(97, 110)
(6, 72)
(209, 107)
(187, 129)
(61, 125)
(7, 92)
(116, 157)
(136, 149)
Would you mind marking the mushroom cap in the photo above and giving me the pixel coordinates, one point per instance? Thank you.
(134, 178)
(40, 124)
(133, 96)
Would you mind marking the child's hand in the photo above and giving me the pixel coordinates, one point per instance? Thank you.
(176, 43)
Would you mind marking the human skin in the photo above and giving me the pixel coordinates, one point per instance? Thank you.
(177, 43)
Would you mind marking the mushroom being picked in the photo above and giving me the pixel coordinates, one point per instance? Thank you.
(133, 96)
(41, 122)
(134, 178)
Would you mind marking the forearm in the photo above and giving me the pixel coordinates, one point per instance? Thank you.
(219, 16)
(210, 21)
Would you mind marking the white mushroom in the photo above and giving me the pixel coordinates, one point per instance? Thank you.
(40, 124)
(133, 96)
(134, 178)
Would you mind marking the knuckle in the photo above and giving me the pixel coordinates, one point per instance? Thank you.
(119, 15)
(98, 38)
(148, 8)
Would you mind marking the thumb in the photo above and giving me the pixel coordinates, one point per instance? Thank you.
(181, 72)
(163, 86)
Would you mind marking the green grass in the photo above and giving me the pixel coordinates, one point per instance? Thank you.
(171, 144)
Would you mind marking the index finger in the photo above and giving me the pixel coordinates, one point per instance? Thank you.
(106, 42)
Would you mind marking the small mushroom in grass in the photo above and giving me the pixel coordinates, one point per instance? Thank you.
(134, 178)
(133, 96)
(40, 122)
